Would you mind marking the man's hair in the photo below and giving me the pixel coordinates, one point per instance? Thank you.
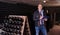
(40, 4)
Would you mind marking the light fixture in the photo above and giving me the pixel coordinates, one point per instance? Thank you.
(44, 1)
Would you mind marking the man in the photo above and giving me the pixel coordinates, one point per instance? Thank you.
(39, 17)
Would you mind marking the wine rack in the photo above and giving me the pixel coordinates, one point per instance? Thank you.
(15, 25)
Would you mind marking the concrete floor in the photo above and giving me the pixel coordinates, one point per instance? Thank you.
(55, 30)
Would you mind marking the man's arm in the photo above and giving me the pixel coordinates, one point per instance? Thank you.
(45, 18)
(41, 17)
(34, 17)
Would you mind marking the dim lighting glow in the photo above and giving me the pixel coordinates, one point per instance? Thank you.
(44, 1)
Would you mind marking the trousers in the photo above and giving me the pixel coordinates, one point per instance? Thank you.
(42, 28)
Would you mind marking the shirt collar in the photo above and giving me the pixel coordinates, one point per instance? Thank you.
(41, 11)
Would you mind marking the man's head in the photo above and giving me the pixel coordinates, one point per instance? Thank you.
(40, 7)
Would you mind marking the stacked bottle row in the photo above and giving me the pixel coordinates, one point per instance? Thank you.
(12, 26)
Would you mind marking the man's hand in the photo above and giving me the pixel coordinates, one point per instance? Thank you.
(45, 19)
(41, 17)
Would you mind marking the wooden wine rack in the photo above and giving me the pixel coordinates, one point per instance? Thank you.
(25, 24)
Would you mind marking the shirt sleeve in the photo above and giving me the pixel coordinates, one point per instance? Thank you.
(34, 17)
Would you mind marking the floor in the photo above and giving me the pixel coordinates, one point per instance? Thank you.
(55, 30)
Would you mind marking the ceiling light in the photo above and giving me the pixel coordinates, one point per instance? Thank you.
(44, 1)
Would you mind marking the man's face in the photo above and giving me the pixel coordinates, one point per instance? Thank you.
(39, 7)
